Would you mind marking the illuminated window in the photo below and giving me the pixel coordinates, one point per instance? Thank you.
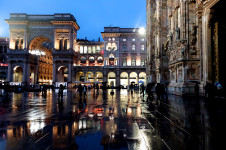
(142, 62)
(108, 47)
(133, 40)
(85, 49)
(91, 59)
(133, 47)
(89, 49)
(133, 62)
(142, 47)
(94, 49)
(81, 49)
(100, 59)
(98, 49)
(124, 40)
(124, 62)
(142, 39)
(113, 39)
(114, 47)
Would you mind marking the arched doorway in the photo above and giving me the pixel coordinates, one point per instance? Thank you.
(124, 79)
(217, 23)
(18, 74)
(89, 77)
(80, 76)
(62, 74)
(42, 47)
(99, 76)
(133, 78)
(142, 78)
(111, 79)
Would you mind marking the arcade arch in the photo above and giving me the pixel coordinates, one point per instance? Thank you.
(62, 74)
(124, 79)
(89, 76)
(42, 47)
(99, 76)
(18, 74)
(80, 76)
(111, 79)
(133, 78)
(142, 77)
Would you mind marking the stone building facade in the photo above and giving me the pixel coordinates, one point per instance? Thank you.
(44, 49)
(89, 65)
(124, 56)
(41, 48)
(4, 45)
(192, 39)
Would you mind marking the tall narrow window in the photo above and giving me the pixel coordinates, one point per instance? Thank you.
(133, 47)
(142, 62)
(124, 62)
(133, 63)
(89, 49)
(21, 44)
(17, 44)
(61, 44)
(85, 49)
(93, 49)
(142, 47)
(98, 49)
(81, 49)
(65, 44)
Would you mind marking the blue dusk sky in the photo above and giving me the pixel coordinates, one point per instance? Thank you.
(91, 15)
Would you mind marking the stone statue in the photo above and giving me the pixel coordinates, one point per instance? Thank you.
(177, 33)
(193, 34)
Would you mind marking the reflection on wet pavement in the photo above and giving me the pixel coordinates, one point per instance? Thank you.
(120, 120)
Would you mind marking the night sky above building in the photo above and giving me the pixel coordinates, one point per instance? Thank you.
(92, 15)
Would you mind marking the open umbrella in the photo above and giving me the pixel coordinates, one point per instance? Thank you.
(77, 82)
(97, 82)
(140, 81)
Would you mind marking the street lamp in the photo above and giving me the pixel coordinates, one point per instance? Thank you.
(142, 30)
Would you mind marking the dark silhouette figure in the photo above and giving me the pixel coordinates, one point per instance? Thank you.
(158, 91)
(80, 90)
(149, 92)
(85, 90)
(197, 89)
(61, 89)
(97, 87)
(142, 89)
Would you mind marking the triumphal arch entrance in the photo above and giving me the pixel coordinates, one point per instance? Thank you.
(41, 48)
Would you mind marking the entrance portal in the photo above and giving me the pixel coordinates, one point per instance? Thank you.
(218, 27)
(17, 74)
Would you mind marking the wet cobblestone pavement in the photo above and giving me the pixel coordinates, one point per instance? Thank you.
(122, 120)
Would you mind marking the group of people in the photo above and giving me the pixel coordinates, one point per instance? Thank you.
(160, 90)
(82, 89)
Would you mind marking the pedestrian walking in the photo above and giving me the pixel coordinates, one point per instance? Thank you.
(85, 90)
(142, 89)
(80, 90)
(97, 87)
(197, 89)
(61, 90)
(149, 92)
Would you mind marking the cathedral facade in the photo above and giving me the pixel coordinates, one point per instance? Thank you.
(185, 43)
